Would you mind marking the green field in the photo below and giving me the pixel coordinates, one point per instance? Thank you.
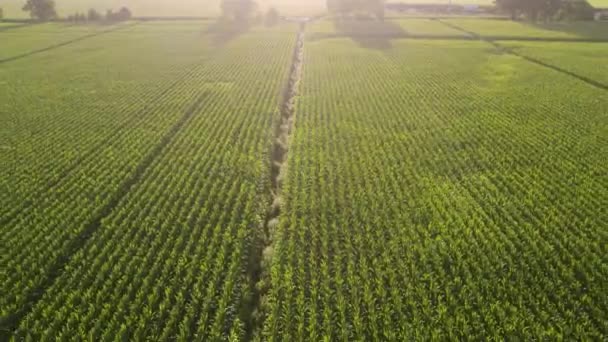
(393, 27)
(587, 60)
(507, 28)
(461, 203)
(136, 95)
(348, 180)
(30, 38)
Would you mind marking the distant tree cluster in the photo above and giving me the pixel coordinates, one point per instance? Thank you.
(41, 9)
(547, 9)
(272, 17)
(246, 12)
(123, 14)
(1, 13)
(93, 16)
(238, 10)
(44, 10)
(349, 7)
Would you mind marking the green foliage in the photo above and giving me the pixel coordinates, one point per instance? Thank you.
(436, 190)
(440, 191)
(41, 9)
(548, 9)
(168, 261)
(579, 58)
(576, 10)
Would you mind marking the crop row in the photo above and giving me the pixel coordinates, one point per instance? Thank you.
(78, 103)
(453, 193)
(70, 108)
(171, 260)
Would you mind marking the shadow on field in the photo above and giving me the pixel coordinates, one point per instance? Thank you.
(368, 33)
(223, 30)
(593, 30)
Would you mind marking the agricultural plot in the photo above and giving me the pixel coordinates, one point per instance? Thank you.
(194, 101)
(4, 25)
(582, 29)
(194, 275)
(396, 28)
(45, 113)
(453, 193)
(30, 38)
(584, 59)
(96, 144)
(436, 188)
(491, 28)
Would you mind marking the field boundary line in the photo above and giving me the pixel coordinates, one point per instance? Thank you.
(585, 79)
(9, 324)
(468, 37)
(68, 42)
(536, 61)
(253, 311)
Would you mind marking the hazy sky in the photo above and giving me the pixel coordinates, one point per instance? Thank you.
(164, 7)
(12, 8)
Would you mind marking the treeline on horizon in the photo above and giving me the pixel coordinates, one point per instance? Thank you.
(547, 9)
(237, 10)
(532, 10)
(45, 10)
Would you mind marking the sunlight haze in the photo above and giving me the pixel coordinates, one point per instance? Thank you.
(12, 8)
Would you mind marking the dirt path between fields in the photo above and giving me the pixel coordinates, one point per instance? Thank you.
(254, 312)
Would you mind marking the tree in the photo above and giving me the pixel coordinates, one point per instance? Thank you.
(122, 15)
(576, 10)
(1, 13)
(272, 17)
(41, 9)
(535, 9)
(511, 6)
(346, 7)
(238, 9)
(93, 15)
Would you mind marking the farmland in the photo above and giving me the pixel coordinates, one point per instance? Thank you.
(412, 179)
(504, 29)
(392, 28)
(210, 8)
(99, 159)
(190, 8)
(436, 213)
(583, 59)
